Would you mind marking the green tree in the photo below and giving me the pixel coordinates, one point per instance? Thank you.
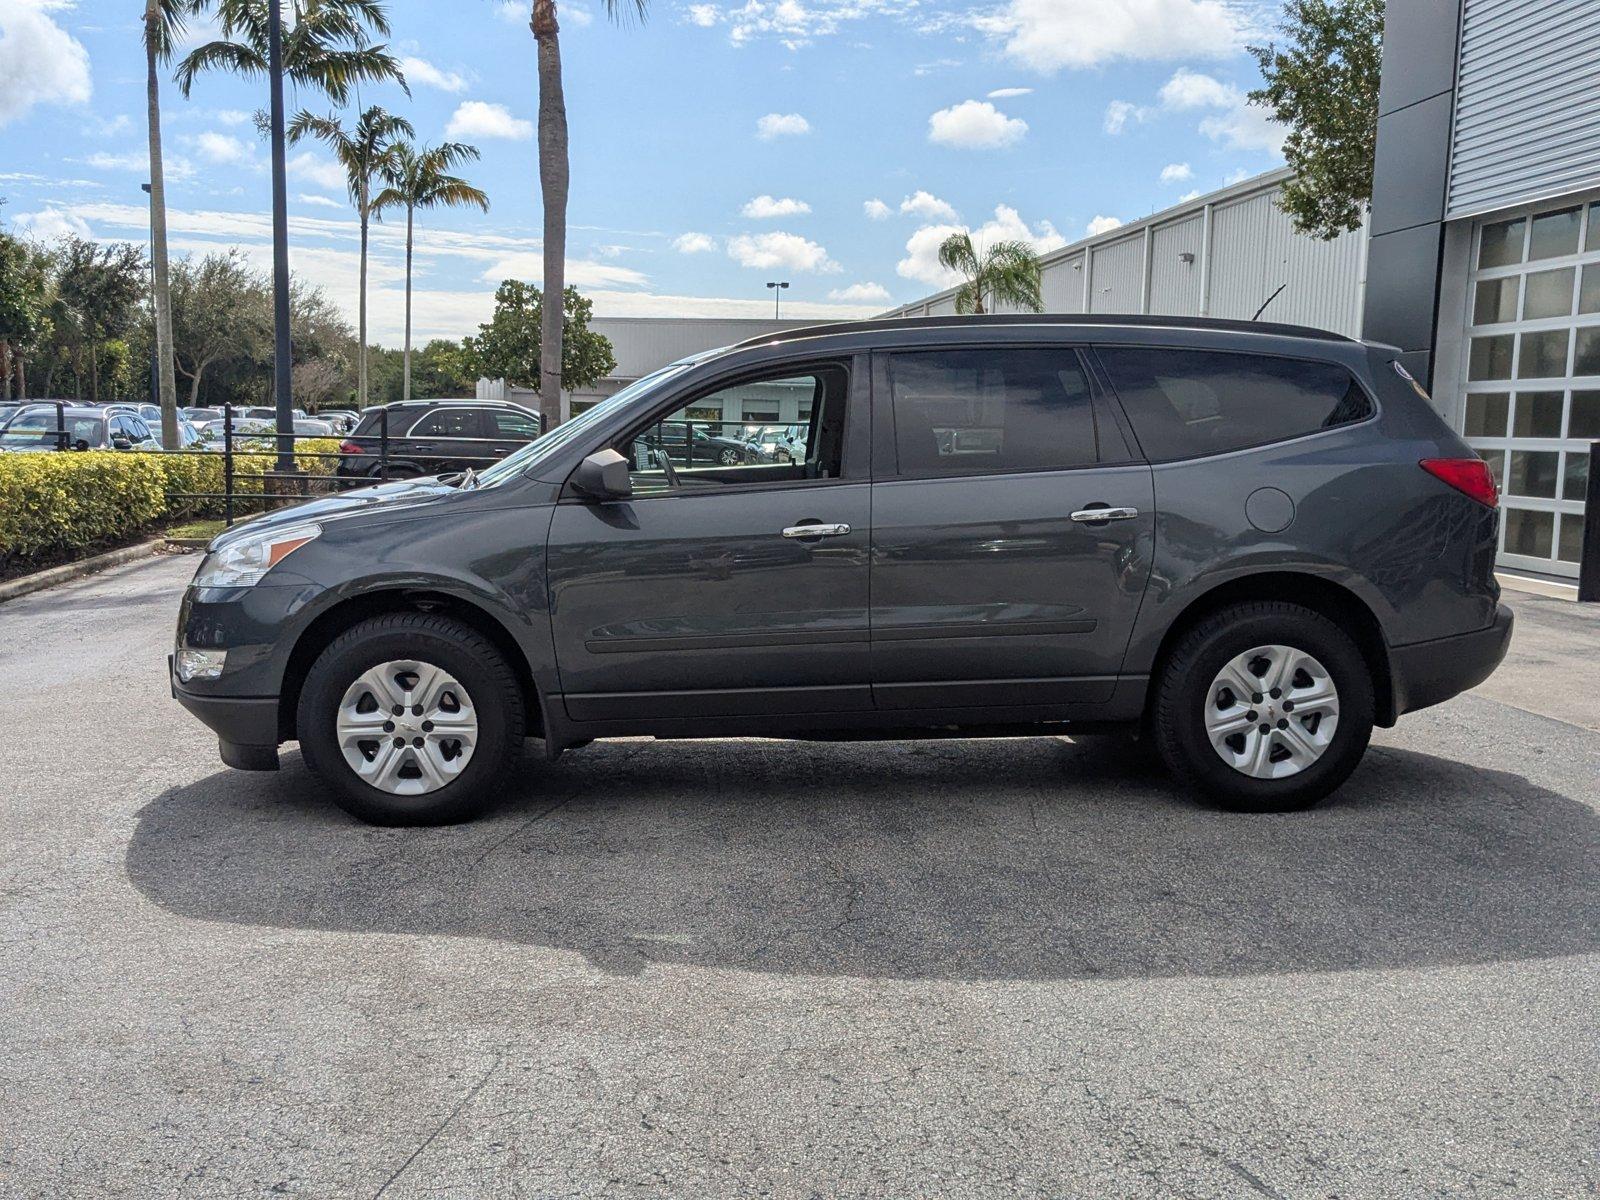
(22, 313)
(508, 346)
(422, 179)
(444, 369)
(1004, 273)
(101, 286)
(1322, 83)
(222, 313)
(364, 151)
(555, 178)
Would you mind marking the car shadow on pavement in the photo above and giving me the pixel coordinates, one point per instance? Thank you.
(1030, 859)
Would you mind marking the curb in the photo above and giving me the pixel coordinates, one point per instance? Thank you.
(187, 543)
(40, 580)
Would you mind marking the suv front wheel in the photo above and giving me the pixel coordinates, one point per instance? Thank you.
(1264, 707)
(412, 719)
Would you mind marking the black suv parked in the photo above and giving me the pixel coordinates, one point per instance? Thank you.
(434, 437)
(1249, 542)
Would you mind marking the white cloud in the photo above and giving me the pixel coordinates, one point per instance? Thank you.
(876, 209)
(975, 125)
(694, 243)
(1101, 225)
(40, 62)
(323, 172)
(51, 223)
(581, 272)
(1238, 176)
(1190, 89)
(1177, 173)
(703, 15)
(1233, 120)
(420, 70)
(861, 293)
(921, 262)
(763, 207)
(1046, 35)
(1008, 92)
(319, 201)
(221, 148)
(786, 250)
(232, 116)
(115, 127)
(1188, 196)
(1245, 127)
(173, 166)
(1119, 113)
(479, 118)
(775, 125)
(927, 206)
(937, 65)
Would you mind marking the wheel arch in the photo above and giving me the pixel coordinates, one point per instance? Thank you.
(352, 610)
(1322, 595)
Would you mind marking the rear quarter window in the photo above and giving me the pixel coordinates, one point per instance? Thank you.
(1189, 403)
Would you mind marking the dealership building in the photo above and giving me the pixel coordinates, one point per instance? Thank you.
(1480, 258)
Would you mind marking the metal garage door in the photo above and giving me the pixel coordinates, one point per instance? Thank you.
(1533, 372)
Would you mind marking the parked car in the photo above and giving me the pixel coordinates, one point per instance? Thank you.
(435, 437)
(86, 428)
(781, 443)
(689, 443)
(1248, 542)
(201, 416)
(188, 435)
(343, 420)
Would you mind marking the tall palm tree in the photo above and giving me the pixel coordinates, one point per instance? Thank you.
(1004, 273)
(554, 179)
(164, 24)
(422, 179)
(365, 151)
(327, 47)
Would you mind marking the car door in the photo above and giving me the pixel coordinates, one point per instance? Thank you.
(722, 591)
(508, 431)
(996, 581)
(446, 439)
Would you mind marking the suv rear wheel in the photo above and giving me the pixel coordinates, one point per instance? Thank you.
(1264, 707)
(412, 719)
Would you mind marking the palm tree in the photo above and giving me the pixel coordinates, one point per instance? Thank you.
(367, 150)
(164, 24)
(554, 179)
(326, 47)
(422, 179)
(1005, 273)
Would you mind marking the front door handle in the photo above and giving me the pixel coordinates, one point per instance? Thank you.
(1098, 516)
(816, 531)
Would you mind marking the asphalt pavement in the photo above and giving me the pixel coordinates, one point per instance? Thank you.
(755, 968)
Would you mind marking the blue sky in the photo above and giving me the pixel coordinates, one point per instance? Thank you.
(715, 147)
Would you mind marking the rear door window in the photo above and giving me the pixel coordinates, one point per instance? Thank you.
(449, 423)
(974, 412)
(1189, 403)
(516, 425)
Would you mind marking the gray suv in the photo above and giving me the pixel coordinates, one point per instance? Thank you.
(1248, 542)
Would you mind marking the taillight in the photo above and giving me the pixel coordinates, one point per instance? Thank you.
(350, 448)
(1468, 475)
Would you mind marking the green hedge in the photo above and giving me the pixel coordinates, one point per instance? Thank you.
(54, 503)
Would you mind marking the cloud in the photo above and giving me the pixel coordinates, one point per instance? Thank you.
(479, 118)
(1190, 89)
(40, 62)
(1237, 176)
(1047, 35)
(1188, 196)
(1232, 120)
(861, 293)
(938, 64)
(921, 262)
(323, 172)
(1245, 126)
(581, 272)
(975, 125)
(927, 206)
(420, 70)
(703, 15)
(694, 243)
(233, 116)
(1007, 93)
(173, 166)
(775, 125)
(786, 250)
(1101, 225)
(1177, 173)
(877, 209)
(1119, 113)
(221, 148)
(763, 207)
(319, 201)
(49, 224)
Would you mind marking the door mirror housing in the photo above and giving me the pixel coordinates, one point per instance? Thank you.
(603, 476)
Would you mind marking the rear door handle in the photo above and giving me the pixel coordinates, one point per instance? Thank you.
(1097, 516)
(816, 531)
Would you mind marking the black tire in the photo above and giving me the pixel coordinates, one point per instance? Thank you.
(398, 471)
(444, 642)
(729, 457)
(1182, 695)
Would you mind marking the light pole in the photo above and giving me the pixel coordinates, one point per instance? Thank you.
(777, 287)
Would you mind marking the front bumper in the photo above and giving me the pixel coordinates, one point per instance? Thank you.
(246, 726)
(1429, 673)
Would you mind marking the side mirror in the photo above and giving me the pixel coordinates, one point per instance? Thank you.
(603, 476)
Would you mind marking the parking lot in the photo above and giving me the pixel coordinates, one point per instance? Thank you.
(1017, 967)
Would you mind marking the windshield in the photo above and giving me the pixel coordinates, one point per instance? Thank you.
(536, 451)
(40, 429)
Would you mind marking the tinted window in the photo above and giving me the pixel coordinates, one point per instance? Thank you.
(515, 425)
(1190, 402)
(963, 412)
(448, 422)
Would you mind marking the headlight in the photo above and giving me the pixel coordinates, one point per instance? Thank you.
(245, 562)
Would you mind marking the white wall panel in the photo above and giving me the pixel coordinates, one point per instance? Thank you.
(1175, 284)
(1118, 276)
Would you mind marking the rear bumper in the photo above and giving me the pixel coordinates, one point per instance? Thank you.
(246, 727)
(1430, 673)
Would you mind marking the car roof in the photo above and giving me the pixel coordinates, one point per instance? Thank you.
(69, 410)
(1057, 320)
